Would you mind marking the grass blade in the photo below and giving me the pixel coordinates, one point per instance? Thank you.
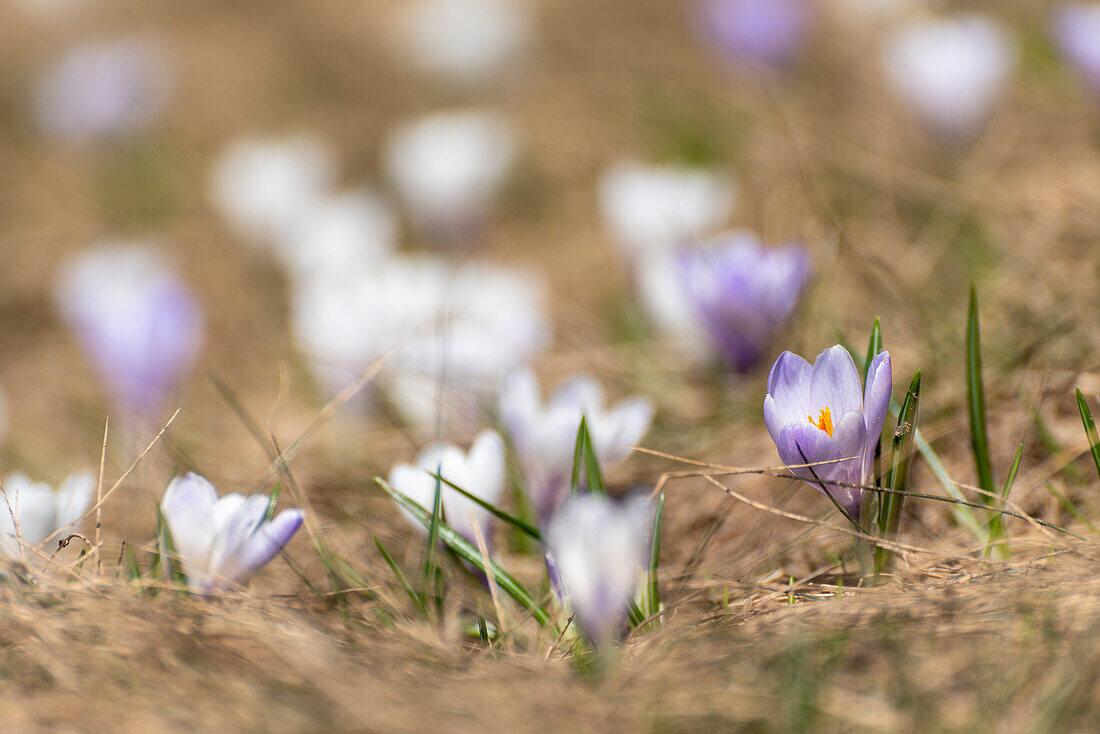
(897, 477)
(996, 524)
(472, 555)
(398, 574)
(653, 599)
(1090, 428)
(272, 501)
(975, 398)
(431, 567)
(518, 524)
(584, 455)
(873, 347)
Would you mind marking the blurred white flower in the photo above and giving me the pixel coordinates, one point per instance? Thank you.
(649, 207)
(545, 434)
(598, 548)
(461, 326)
(265, 187)
(480, 472)
(136, 319)
(104, 90)
(222, 543)
(951, 72)
(447, 168)
(660, 289)
(1076, 28)
(339, 233)
(40, 512)
(467, 42)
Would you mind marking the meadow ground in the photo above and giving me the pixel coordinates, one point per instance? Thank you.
(764, 628)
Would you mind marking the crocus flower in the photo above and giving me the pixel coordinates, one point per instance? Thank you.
(598, 547)
(545, 435)
(480, 472)
(40, 512)
(1076, 28)
(743, 292)
(767, 32)
(650, 208)
(222, 543)
(460, 329)
(951, 72)
(343, 232)
(447, 168)
(266, 186)
(821, 413)
(472, 43)
(104, 90)
(137, 320)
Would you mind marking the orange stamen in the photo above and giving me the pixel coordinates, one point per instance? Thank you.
(824, 421)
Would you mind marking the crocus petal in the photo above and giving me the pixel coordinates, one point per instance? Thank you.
(834, 383)
(270, 538)
(416, 484)
(34, 507)
(227, 553)
(789, 387)
(580, 391)
(876, 403)
(188, 508)
(625, 427)
(72, 499)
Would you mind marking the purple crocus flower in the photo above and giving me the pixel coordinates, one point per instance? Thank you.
(598, 549)
(821, 413)
(136, 319)
(545, 435)
(743, 293)
(764, 32)
(104, 90)
(1076, 28)
(222, 543)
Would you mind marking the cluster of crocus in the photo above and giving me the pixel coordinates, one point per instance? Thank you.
(104, 90)
(755, 33)
(136, 319)
(951, 72)
(222, 543)
(447, 168)
(821, 413)
(469, 43)
(545, 434)
(479, 472)
(33, 512)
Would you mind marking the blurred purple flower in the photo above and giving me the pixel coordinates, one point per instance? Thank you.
(1076, 28)
(545, 435)
(767, 32)
(41, 513)
(136, 319)
(222, 543)
(480, 472)
(743, 292)
(598, 550)
(105, 90)
(820, 413)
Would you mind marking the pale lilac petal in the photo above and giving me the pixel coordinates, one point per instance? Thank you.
(72, 499)
(581, 391)
(188, 508)
(876, 404)
(34, 507)
(626, 425)
(834, 383)
(789, 387)
(267, 541)
(416, 484)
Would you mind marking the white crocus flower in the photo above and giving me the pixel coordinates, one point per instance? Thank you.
(266, 186)
(951, 72)
(545, 434)
(460, 327)
(104, 90)
(40, 512)
(650, 208)
(480, 472)
(467, 42)
(222, 543)
(339, 233)
(447, 168)
(598, 548)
